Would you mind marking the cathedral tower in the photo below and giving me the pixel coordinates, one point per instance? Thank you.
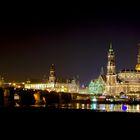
(111, 77)
(138, 59)
(52, 77)
(111, 68)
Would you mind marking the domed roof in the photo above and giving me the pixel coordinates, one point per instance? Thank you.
(137, 67)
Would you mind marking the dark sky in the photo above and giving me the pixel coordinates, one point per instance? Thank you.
(75, 38)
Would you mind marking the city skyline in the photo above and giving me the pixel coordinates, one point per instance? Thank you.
(75, 39)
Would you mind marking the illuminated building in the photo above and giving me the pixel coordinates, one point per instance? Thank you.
(111, 76)
(83, 90)
(36, 86)
(138, 60)
(55, 84)
(97, 86)
(52, 79)
(116, 83)
(1, 81)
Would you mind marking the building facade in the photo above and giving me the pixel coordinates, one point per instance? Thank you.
(55, 84)
(116, 83)
(97, 86)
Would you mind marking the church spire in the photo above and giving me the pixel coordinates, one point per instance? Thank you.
(52, 74)
(111, 77)
(138, 59)
(110, 45)
(102, 71)
(111, 61)
(111, 48)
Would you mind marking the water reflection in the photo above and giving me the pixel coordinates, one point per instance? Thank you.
(137, 107)
(111, 107)
(77, 106)
(124, 107)
(83, 106)
(95, 106)
(102, 107)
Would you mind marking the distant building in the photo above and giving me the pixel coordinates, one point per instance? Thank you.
(55, 84)
(97, 86)
(1, 81)
(83, 89)
(113, 83)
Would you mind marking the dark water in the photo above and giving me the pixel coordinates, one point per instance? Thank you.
(95, 106)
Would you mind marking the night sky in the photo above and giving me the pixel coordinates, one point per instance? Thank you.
(75, 38)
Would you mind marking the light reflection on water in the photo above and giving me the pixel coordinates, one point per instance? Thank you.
(93, 106)
(98, 107)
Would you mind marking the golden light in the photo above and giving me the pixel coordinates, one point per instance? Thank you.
(14, 84)
(137, 67)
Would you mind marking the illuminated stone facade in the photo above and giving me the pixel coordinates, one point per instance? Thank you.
(130, 79)
(71, 86)
(97, 86)
(125, 81)
(138, 60)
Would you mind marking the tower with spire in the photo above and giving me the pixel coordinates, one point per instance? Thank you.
(111, 68)
(111, 77)
(138, 59)
(52, 77)
(102, 71)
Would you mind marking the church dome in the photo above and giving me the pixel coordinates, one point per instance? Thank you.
(137, 67)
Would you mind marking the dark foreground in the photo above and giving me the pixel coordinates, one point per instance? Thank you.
(44, 113)
(61, 122)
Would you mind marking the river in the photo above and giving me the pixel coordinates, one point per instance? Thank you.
(96, 106)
